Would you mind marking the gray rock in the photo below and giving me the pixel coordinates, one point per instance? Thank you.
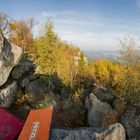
(33, 77)
(105, 97)
(102, 94)
(113, 132)
(24, 82)
(10, 55)
(23, 69)
(28, 79)
(37, 88)
(96, 110)
(131, 121)
(7, 94)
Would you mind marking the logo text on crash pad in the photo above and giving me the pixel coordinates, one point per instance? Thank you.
(34, 130)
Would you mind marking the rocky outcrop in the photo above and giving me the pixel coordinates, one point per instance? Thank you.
(96, 110)
(131, 121)
(102, 107)
(103, 95)
(24, 82)
(10, 55)
(113, 132)
(7, 94)
(101, 113)
(23, 69)
(37, 88)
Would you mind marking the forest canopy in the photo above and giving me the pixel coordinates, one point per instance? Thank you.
(53, 56)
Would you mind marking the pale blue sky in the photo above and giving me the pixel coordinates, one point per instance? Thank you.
(88, 24)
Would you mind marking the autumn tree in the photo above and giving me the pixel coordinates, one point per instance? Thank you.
(82, 61)
(54, 55)
(22, 34)
(50, 34)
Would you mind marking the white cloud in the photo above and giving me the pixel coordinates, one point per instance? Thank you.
(87, 31)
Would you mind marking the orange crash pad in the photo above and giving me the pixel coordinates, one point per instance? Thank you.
(37, 125)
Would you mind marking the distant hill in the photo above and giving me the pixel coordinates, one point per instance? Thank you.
(96, 54)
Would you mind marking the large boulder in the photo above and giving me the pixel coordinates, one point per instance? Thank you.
(97, 110)
(131, 121)
(103, 95)
(23, 69)
(37, 88)
(7, 94)
(113, 132)
(24, 82)
(10, 55)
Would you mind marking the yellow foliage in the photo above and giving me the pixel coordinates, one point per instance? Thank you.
(21, 34)
(122, 80)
